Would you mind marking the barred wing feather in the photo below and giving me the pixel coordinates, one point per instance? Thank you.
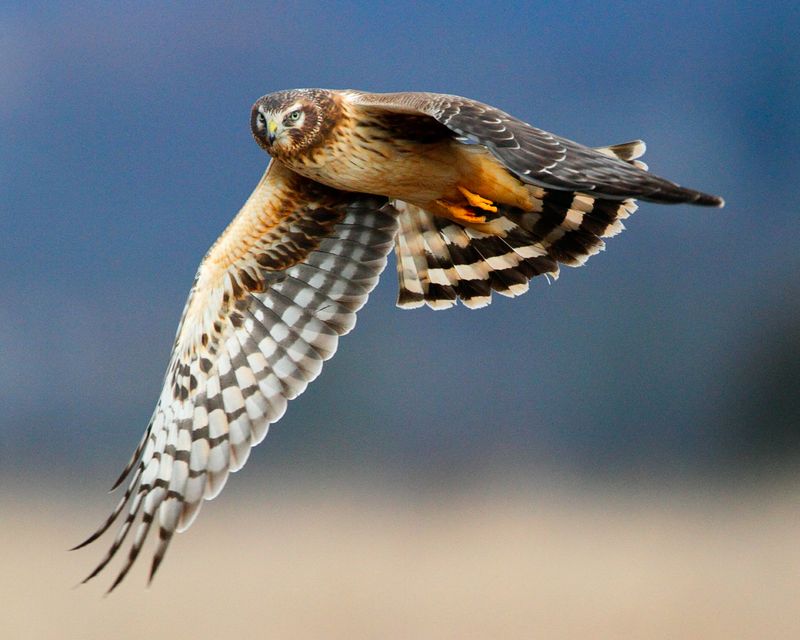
(440, 261)
(267, 307)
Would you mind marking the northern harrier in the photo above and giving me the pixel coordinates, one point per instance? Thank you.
(472, 200)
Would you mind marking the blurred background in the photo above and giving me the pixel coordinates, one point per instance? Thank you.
(613, 455)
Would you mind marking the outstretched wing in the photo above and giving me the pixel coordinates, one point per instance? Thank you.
(533, 155)
(440, 261)
(269, 302)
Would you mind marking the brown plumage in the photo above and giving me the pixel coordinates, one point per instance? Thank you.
(473, 201)
(447, 158)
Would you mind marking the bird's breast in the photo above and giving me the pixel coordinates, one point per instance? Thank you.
(366, 157)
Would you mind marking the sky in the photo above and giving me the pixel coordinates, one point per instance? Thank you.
(125, 149)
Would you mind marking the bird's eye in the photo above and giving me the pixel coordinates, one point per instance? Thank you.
(294, 116)
(261, 120)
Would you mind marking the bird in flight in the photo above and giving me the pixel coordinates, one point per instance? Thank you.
(473, 201)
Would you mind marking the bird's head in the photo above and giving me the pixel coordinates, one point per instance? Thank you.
(290, 122)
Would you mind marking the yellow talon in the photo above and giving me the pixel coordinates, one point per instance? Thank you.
(477, 201)
(457, 213)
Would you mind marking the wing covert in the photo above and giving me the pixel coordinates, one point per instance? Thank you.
(534, 155)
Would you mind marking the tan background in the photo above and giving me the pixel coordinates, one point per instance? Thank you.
(510, 561)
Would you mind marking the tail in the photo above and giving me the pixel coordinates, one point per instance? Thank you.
(440, 261)
(664, 191)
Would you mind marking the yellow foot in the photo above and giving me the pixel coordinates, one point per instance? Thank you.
(478, 201)
(458, 213)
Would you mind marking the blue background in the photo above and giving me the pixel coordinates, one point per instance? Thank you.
(125, 149)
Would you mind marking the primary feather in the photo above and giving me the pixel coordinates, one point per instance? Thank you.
(267, 308)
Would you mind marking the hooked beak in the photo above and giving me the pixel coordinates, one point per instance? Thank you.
(272, 128)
